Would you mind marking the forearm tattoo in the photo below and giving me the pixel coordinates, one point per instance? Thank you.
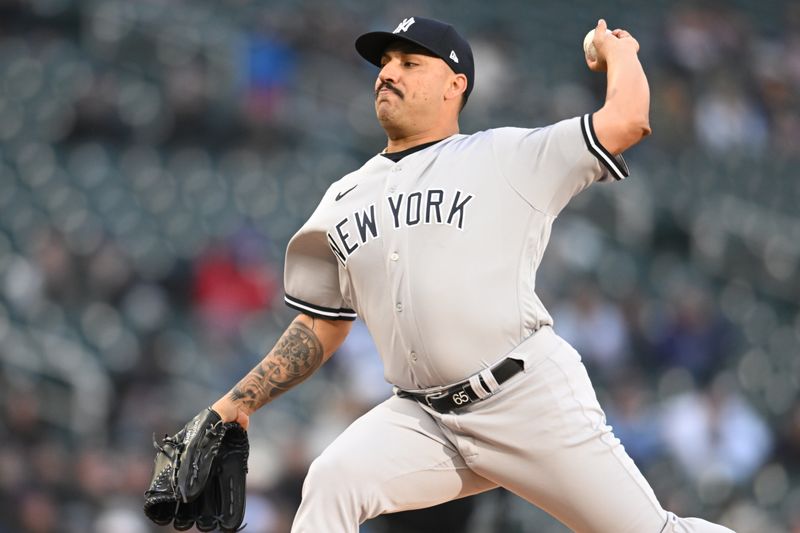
(296, 355)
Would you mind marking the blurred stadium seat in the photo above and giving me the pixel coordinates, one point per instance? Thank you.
(135, 137)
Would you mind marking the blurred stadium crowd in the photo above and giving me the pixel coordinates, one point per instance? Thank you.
(155, 158)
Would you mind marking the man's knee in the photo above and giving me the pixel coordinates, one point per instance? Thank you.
(340, 491)
(334, 478)
(328, 499)
(324, 474)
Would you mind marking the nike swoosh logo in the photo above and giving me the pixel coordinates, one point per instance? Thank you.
(341, 194)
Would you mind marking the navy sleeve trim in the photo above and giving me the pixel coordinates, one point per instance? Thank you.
(615, 165)
(319, 311)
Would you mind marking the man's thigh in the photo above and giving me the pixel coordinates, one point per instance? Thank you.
(545, 439)
(395, 458)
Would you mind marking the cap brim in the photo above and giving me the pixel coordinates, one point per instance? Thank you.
(372, 45)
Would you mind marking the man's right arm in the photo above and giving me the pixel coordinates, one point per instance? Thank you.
(624, 119)
(305, 345)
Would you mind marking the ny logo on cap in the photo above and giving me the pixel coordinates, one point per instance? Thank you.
(403, 26)
(453, 56)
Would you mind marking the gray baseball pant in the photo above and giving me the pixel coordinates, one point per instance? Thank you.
(542, 436)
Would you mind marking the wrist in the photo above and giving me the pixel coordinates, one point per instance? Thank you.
(619, 53)
(228, 408)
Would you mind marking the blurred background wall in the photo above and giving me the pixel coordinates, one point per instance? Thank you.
(156, 156)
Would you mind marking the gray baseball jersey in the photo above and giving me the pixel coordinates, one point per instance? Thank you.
(438, 251)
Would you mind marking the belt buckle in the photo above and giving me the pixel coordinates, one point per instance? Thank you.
(435, 396)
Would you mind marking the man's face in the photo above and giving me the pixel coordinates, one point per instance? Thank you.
(409, 91)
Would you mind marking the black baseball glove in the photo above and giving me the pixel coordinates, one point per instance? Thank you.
(199, 477)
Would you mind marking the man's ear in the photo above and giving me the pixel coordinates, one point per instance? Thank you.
(458, 85)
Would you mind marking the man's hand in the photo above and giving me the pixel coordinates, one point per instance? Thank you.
(231, 412)
(200, 476)
(608, 45)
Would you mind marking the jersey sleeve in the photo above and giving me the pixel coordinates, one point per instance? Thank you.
(311, 275)
(550, 165)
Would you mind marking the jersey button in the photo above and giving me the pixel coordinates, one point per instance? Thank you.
(395, 256)
(414, 356)
(399, 306)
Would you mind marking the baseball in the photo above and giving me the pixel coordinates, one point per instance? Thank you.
(588, 45)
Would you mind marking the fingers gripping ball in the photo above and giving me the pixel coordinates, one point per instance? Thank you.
(200, 475)
(588, 45)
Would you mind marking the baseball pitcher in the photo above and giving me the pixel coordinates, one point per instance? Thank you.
(435, 243)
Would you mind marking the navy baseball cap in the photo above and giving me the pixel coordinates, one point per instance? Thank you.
(439, 38)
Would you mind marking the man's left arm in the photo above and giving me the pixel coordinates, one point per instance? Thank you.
(624, 119)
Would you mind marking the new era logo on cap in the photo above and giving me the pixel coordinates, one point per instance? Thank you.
(439, 38)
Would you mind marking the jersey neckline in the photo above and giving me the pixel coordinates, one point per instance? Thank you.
(397, 156)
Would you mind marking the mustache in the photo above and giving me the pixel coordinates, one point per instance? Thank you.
(390, 86)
